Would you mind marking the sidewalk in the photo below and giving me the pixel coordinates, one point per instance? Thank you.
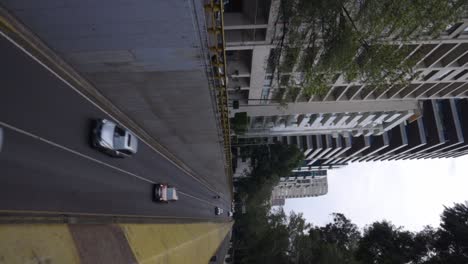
(124, 243)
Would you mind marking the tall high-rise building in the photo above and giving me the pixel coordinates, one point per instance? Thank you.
(439, 133)
(250, 32)
(250, 28)
(301, 184)
(352, 121)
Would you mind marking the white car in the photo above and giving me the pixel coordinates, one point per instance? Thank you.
(164, 193)
(218, 211)
(113, 139)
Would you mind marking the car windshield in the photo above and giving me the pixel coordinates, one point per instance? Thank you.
(119, 131)
(120, 141)
(171, 194)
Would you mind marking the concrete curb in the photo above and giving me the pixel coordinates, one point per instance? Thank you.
(31, 217)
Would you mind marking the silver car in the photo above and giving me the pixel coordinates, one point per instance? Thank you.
(113, 139)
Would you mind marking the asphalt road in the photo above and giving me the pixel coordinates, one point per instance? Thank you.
(47, 164)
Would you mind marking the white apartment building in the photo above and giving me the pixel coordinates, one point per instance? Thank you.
(302, 184)
(243, 168)
(347, 108)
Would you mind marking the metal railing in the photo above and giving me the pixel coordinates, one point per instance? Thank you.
(214, 9)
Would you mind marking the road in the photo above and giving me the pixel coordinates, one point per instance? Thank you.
(47, 164)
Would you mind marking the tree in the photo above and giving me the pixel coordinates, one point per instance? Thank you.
(342, 233)
(264, 236)
(357, 38)
(240, 123)
(383, 243)
(299, 246)
(275, 159)
(424, 246)
(452, 237)
(334, 243)
(274, 237)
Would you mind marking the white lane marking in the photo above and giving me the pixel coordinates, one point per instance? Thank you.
(100, 108)
(72, 151)
(21, 131)
(194, 197)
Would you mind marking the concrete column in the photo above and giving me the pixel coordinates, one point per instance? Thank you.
(304, 121)
(257, 74)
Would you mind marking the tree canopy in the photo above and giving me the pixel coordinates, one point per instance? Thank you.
(280, 238)
(360, 39)
(259, 230)
(263, 235)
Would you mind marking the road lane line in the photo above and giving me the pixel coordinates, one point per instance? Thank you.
(21, 131)
(104, 111)
(64, 214)
(194, 197)
(71, 150)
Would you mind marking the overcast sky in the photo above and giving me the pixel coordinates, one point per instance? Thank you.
(409, 193)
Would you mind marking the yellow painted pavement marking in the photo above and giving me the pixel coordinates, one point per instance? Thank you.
(175, 243)
(31, 244)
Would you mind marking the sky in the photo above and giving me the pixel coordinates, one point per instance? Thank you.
(409, 193)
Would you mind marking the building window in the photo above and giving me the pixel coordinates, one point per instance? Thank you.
(456, 77)
(445, 74)
(451, 28)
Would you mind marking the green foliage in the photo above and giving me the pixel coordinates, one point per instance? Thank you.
(405, 17)
(290, 58)
(452, 242)
(342, 233)
(239, 123)
(274, 159)
(359, 39)
(293, 93)
(263, 236)
(384, 243)
(317, 83)
(273, 237)
(334, 243)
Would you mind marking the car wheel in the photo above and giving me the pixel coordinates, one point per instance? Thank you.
(155, 190)
(108, 152)
(118, 155)
(94, 143)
